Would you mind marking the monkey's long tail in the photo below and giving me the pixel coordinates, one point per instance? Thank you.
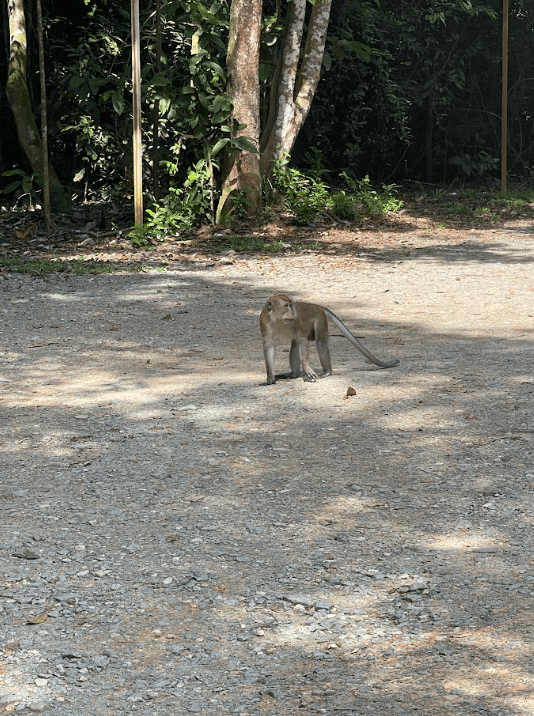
(356, 343)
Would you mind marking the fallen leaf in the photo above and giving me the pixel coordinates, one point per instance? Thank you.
(39, 619)
(27, 554)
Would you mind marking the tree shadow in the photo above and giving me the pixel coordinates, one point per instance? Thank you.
(362, 555)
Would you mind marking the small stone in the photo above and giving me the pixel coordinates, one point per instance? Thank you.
(297, 599)
(176, 649)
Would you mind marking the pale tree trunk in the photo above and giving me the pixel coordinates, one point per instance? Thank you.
(242, 171)
(295, 85)
(19, 100)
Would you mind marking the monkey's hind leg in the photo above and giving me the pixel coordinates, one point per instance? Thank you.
(309, 374)
(324, 355)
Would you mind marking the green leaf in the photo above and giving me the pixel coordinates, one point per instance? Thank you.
(363, 51)
(160, 80)
(220, 117)
(246, 144)
(13, 172)
(117, 99)
(214, 66)
(11, 187)
(219, 145)
(164, 104)
(76, 82)
(221, 102)
(266, 71)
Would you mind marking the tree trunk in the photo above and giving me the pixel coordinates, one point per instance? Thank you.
(19, 101)
(242, 170)
(296, 85)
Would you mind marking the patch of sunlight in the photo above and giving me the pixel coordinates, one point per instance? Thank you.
(457, 541)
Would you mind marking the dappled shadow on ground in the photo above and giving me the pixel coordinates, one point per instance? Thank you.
(469, 251)
(383, 541)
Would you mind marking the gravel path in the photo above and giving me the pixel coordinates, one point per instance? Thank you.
(177, 538)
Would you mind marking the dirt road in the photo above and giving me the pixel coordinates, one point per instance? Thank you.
(185, 539)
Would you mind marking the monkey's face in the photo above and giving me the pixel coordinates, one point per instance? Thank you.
(281, 308)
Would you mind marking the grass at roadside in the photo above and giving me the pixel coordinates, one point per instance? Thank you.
(44, 266)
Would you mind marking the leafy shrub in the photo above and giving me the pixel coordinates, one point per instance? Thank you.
(182, 209)
(304, 196)
(309, 197)
(22, 187)
(372, 201)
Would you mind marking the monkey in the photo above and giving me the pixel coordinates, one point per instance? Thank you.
(282, 317)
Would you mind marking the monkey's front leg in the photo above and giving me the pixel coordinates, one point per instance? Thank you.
(294, 362)
(269, 353)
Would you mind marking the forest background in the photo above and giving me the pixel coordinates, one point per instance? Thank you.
(408, 92)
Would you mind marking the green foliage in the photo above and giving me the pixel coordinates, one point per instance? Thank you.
(41, 267)
(305, 197)
(486, 213)
(308, 198)
(237, 205)
(373, 202)
(514, 198)
(23, 187)
(182, 209)
(189, 92)
(410, 96)
(481, 163)
(257, 244)
(457, 209)
(253, 243)
(407, 90)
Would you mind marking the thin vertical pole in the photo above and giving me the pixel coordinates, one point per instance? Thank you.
(504, 115)
(155, 113)
(44, 121)
(137, 146)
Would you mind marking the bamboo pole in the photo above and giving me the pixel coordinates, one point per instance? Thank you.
(137, 145)
(504, 114)
(155, 113)
(44, 121)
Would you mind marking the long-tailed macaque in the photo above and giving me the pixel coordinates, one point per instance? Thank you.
(282, 317)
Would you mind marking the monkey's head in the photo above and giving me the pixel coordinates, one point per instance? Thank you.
(281, 308)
